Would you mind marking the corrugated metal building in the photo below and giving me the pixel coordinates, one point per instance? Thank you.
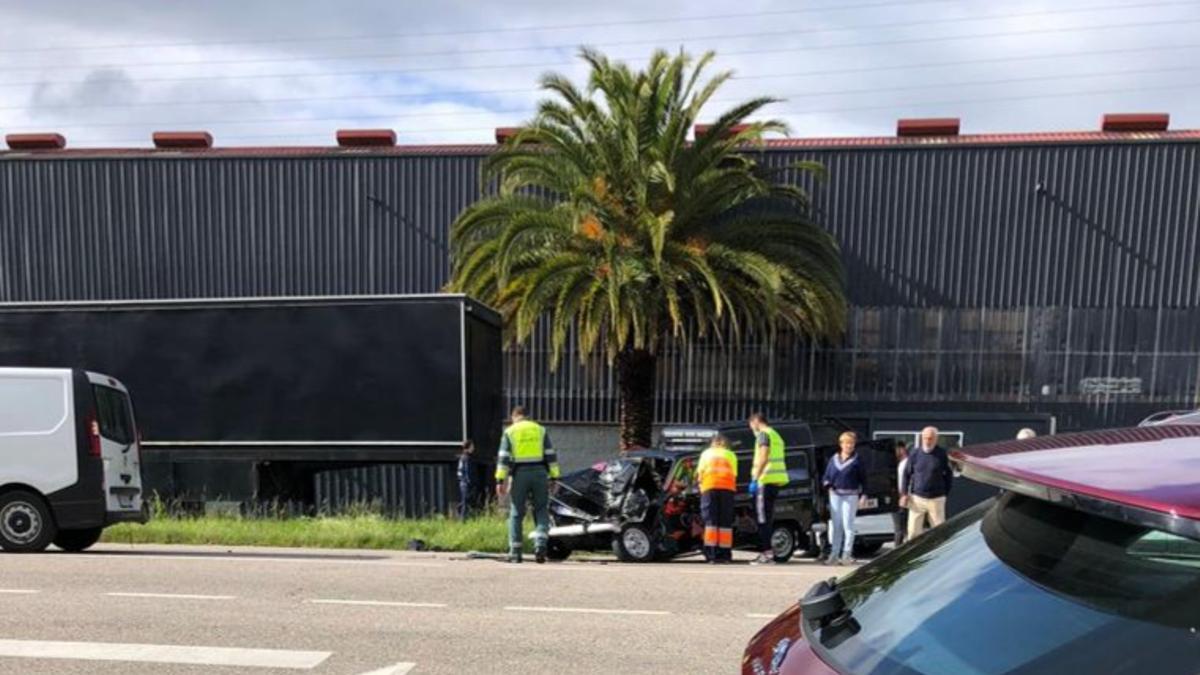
(1009, 272)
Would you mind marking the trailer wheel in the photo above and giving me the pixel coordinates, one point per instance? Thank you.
(26, 525)
(75, 541)
(634, 544)
(558, 551)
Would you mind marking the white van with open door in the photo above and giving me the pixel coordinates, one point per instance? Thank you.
(70, 458)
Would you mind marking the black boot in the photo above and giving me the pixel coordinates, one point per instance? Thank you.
(514, 557)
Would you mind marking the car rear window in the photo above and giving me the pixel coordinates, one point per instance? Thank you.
(114, 414)
(1017, 585)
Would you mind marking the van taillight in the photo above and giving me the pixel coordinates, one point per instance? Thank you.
(94, 438)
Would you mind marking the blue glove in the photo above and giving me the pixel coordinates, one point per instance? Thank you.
(753, 488)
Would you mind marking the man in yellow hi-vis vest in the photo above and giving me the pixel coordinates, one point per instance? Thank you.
(526, 454)
(717, 474)
(767, 477)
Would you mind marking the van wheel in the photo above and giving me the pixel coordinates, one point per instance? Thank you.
(75, 541)
(634, 544)
(26, 525)
(783, 543)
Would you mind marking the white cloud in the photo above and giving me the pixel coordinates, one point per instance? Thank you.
(432, 86)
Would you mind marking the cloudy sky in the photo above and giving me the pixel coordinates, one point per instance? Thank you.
(276, 72)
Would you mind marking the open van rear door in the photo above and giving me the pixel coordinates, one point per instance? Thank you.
(114, 427)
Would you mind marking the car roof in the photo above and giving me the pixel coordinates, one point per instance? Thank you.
(1173, 417)
(1149, 475)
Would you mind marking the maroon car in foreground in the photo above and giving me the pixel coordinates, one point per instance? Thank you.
(1087, 562)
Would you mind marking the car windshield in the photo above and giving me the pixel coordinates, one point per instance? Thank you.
(1017, 585)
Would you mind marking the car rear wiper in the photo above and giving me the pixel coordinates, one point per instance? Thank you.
(824, 609)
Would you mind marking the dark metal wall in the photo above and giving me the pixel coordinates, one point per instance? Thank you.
(1058, 277)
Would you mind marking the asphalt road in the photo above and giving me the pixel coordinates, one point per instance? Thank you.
(160, 609)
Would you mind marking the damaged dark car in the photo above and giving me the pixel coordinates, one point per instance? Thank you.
(645, 505)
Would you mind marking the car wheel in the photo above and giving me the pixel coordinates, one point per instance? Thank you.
(783, 543)
(867, 549)
(558, 551)
(26, 525)
(77, 540)
(634, 544)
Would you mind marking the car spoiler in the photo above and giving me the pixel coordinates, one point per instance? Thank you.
(1145, 476)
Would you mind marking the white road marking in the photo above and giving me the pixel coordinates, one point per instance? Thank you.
(377, 603)
(16, 591)
(395, 669)
(171, 596)
(761, 616)
(585, 610)
(177, 654)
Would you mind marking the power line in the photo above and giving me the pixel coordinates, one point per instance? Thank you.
(531, 90)
(638, 42)
(529, 109)
(513, 66)
(783, 113)
(482, 31)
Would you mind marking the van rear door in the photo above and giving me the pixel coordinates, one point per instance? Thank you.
(119, 446)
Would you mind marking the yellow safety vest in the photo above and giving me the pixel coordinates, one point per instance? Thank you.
(776, 473)
(525, 438)
(526, 445)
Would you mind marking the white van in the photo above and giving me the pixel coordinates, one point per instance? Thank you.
(70, 458)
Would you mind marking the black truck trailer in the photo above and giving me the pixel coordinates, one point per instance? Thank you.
(311, 403)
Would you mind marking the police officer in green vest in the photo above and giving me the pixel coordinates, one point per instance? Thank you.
(526, 455)
(768, 475)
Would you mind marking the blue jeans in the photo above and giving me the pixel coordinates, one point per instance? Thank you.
(842, 510)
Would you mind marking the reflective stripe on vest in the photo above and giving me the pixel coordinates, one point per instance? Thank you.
(525, 437)
(717, 470)
(776, 473)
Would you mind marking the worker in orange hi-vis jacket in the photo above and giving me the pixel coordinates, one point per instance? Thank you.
(717, 474)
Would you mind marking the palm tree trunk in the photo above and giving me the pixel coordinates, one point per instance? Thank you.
(635, 379)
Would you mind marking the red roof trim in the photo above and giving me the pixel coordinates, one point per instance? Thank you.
(834, 143)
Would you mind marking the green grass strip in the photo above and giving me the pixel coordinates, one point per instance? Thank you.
(486, 533)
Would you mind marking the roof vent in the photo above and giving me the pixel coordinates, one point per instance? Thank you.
(506, 134)
(929, 126)
(702, 130)
(182, 139)
(366, 138)
(36, 141)
(1135, 122)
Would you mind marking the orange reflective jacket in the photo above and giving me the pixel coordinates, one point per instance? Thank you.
(717, 470)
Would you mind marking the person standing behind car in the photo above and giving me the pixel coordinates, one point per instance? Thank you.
(767, 477)
(466, 479)
(526, 452)
(900, 515)
(926, 483)
(845, 478)
(717, 474)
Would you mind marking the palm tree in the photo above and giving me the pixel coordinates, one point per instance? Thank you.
(609, 223)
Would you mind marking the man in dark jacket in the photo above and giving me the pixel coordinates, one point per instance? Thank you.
(926, 483)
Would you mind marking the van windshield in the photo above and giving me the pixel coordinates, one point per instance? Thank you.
(114, 414)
